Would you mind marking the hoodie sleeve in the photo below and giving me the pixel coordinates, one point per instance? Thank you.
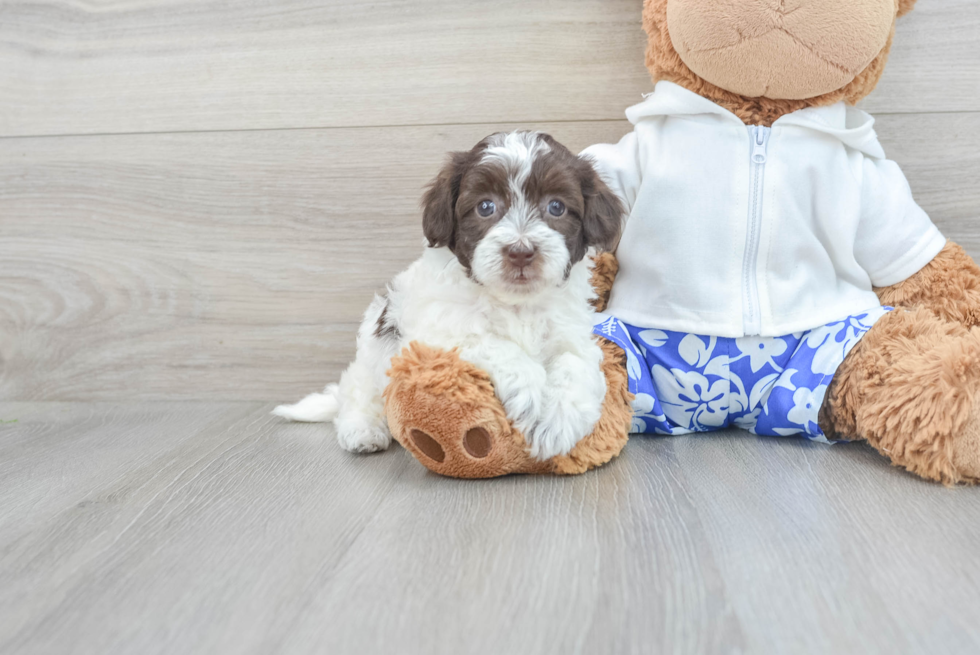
(895, 238)
(619, 166)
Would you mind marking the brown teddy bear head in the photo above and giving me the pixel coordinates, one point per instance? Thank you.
(762, 59)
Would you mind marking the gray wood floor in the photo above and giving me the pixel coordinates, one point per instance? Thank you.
(178, 527)
(197, 200)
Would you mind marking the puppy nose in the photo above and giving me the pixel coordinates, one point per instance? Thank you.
(520, 255)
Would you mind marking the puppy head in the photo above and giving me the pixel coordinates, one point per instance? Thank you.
(518, 210)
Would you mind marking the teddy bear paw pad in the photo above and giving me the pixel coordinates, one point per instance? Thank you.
(477, 443)
(428, 446)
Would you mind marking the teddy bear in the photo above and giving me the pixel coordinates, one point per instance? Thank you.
(775, 273)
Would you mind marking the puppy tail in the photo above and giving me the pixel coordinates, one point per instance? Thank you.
(315, 408)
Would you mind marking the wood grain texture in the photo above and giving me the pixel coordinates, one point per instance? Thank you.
(214, 528)
(191, 65)
(165, 65)
(237, 265)
(852, 532)
(232, 265)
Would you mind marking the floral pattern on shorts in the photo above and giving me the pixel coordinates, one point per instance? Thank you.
(686, 383)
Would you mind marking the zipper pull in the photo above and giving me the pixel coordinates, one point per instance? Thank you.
(761, 143)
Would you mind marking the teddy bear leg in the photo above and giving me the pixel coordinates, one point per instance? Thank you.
(911, 388)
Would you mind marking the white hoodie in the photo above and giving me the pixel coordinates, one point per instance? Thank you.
(737, 230)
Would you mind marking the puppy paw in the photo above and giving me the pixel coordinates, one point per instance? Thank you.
(359, 436)
(522, 395)
(557, 434)
(572, 405)
(561, 427)
(523, 408)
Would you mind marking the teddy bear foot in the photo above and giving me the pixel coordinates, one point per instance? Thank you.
(443, 410)
(911, 388)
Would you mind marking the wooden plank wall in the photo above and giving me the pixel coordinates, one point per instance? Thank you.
(198, 198)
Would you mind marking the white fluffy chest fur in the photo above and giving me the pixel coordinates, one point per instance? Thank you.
(436, 302)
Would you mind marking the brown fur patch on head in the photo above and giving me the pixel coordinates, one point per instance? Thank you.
(594, 212)
(664, 63)
(480, 182)
(439, 200)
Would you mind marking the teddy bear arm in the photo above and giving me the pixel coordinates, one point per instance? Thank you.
(604, 269)
(948, 287)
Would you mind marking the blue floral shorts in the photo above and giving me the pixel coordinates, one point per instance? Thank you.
(774, 386)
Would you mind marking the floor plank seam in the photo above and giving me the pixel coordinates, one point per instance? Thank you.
(323, 128)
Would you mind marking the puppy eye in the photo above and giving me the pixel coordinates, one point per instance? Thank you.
(556, 208)
(486, 208)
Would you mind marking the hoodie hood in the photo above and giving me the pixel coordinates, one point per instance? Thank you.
(852, 127)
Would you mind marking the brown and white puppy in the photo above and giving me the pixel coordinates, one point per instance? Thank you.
(505, 279)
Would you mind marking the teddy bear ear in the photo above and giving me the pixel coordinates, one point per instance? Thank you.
(905, 6)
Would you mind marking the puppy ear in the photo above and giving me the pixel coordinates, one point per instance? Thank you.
(905, 6)
(604, 211)
(439, 202)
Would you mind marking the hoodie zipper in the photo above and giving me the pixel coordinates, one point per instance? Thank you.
(751, 310)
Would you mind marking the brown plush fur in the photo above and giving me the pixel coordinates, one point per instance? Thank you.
(434, 392)
(910, 388)
(949, 287)
(605, 267)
